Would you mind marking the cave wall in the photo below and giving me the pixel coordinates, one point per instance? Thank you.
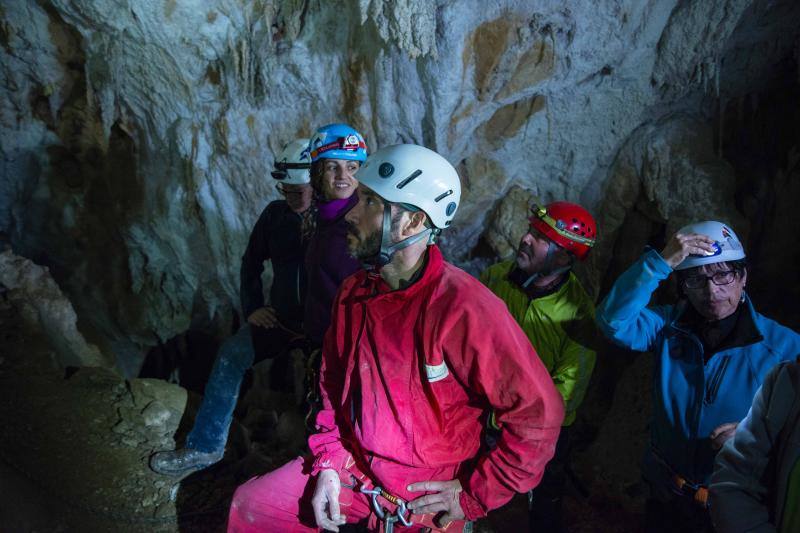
(137, 136)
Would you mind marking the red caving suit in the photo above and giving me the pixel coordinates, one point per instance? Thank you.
(406, 378)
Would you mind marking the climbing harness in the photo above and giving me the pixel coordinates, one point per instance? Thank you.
(698, 493)
(401, 514)
(313, 397)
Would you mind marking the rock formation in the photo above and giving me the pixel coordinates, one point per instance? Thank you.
(137, 136)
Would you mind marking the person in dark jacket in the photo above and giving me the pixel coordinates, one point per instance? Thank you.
(712, 351)
(337, 152)
(280, 236)
(756, 481)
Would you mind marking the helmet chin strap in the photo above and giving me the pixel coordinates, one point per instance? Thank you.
(546, 269)
(388, 248)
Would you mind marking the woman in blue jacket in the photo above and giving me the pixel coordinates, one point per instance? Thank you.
(712, 351)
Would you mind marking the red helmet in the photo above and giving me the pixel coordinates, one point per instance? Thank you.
(568, 225)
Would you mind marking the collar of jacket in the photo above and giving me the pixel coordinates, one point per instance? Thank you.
(374, 288)
(517, 277)
(744, 333)
(353, 200)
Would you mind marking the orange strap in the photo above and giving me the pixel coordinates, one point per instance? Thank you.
(699, 494)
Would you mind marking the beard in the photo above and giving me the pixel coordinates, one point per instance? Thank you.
(527, 262)
(363, 249)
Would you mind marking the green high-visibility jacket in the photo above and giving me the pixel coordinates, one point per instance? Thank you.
(560, 327)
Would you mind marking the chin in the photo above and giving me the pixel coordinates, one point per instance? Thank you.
(713, 312)
(341, 194)
(522, 263)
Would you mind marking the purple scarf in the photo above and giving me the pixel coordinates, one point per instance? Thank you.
(328, 210)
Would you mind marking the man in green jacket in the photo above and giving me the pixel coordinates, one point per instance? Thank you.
(553, 309)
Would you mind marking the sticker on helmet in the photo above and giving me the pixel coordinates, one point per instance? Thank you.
(322, 149)
(350, 142)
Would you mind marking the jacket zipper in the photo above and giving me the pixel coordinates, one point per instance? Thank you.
(713, 387)
(297, 277)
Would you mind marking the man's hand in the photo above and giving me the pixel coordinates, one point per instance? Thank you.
(326, 500)
(264, 317)
(681, 246)
(721, 434)
(445, 499)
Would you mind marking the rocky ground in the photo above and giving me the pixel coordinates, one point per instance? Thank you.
(76, 441)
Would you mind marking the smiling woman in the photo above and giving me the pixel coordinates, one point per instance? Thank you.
(336, 178)
(337, 152)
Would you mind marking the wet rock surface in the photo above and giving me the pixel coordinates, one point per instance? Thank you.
(137, 137)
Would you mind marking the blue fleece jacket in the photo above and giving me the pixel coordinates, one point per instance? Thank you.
(690, 397)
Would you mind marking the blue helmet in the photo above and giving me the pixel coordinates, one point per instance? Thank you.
(338, 141)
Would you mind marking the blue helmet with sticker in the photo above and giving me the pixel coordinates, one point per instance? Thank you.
(338, 141)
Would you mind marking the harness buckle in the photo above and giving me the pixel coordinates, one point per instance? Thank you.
(698, 493)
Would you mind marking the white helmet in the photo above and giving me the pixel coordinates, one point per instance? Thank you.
(726, 243)
(293, 164)
(416, 176)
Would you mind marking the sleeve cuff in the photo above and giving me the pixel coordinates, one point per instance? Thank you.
(656, 264)
(471, 507)
(330, 462)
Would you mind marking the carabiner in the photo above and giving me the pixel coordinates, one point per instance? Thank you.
(402, 512)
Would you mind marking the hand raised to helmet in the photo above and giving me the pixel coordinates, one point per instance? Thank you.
(681, 246)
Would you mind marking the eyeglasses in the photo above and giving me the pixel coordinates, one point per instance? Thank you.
(720, 277)
(284, 190)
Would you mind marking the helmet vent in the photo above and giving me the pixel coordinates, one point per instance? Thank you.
(409, 179)
(443, 196)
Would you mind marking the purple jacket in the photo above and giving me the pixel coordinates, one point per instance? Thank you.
(327, 265)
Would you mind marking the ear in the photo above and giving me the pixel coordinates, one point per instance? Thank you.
(563, 258)
(415, 223)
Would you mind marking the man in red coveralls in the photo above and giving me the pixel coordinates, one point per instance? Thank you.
(416, 352)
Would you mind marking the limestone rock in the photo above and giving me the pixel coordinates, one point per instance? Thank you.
(137, 137)
(32, 287)
(507, 120)
(411, 24)
(689, 47)
(509, 222)
(665, 176)
(159, 405)
(156, 414)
